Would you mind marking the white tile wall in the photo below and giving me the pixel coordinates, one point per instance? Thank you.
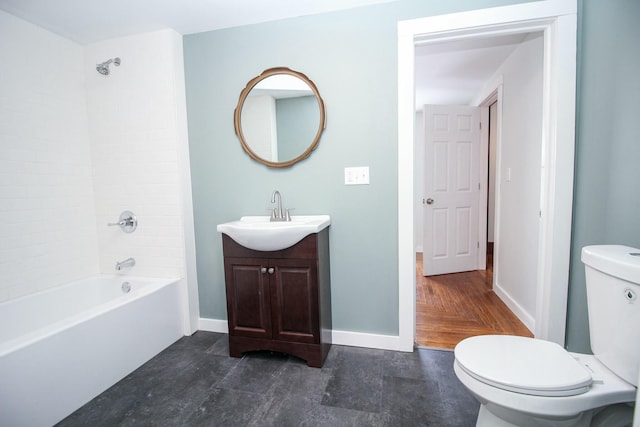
(135, 152)
(47, 213)
(77, 148)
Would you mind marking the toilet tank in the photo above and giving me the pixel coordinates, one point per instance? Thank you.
(613, 297)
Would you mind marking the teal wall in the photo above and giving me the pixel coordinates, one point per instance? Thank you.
(297, 121)
(607, 176)
(352, 58)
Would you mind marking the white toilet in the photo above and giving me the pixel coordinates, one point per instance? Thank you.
(530, 382)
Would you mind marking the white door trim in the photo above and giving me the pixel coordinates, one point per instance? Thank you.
(494, 95)
(558, 20)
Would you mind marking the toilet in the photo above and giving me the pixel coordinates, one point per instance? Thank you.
(528, 382)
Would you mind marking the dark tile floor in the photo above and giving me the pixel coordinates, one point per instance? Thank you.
(195, 383)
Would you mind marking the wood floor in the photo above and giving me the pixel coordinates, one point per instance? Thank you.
(451, 307)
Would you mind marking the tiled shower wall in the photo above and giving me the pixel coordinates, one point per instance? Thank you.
(136, 157)
(77, 148)
(47, 214)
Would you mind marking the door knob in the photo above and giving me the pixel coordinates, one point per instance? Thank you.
(271, 270)
(429, 201)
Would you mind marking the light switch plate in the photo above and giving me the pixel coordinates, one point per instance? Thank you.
(356, 175)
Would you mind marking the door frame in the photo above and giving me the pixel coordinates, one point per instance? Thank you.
(494, 95)
(557, 19)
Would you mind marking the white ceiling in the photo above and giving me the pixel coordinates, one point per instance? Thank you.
(455, 72)
(88, 21)
(447, 73)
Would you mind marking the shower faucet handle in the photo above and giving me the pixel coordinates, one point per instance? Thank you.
(127, 222)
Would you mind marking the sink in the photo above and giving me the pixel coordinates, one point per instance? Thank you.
(260, 234)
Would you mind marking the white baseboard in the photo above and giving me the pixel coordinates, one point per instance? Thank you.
(361, 339)
(213, 325)
(352, 339)
(528, 320)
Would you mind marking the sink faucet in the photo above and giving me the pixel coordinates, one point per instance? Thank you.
(129, 262)
(277, 214)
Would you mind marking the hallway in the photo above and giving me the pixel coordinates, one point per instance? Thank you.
(451, 307)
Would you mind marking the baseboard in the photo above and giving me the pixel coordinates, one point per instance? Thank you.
(348, 338)
(528, 320)
(213, 325)
(361, 339)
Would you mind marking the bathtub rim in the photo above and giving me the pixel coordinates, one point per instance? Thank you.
(155, 284)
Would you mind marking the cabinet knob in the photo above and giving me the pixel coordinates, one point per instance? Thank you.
(271, 270)
(263, 270)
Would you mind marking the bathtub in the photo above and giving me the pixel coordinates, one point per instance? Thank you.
(62, 347)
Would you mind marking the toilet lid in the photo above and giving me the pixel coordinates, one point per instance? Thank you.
(522, 365)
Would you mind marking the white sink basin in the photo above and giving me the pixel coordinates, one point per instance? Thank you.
(260, 234)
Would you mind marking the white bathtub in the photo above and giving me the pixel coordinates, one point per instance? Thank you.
(62, 347)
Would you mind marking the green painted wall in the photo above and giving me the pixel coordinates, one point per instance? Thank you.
(297, 121)
(352, 58)
(607, 176)
(361, 130)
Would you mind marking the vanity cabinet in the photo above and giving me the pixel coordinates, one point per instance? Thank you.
(280, 300)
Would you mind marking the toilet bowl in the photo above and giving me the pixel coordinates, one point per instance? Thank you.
(531, 382)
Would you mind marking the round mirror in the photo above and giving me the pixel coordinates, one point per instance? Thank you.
(280, 117)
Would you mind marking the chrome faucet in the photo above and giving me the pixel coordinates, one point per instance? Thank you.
(276, 213)
(129, 262)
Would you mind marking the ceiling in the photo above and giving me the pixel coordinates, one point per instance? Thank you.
(446, 73)
(88, 21)
(455, 72)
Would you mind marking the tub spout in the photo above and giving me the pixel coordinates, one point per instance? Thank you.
(129, 262)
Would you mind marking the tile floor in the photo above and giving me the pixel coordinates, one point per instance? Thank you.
(195, 383)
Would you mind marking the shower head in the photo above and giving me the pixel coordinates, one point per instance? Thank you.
(103, 68)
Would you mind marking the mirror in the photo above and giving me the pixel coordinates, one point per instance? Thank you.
(280, 117)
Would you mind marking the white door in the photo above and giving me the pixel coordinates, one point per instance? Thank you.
(450, 210)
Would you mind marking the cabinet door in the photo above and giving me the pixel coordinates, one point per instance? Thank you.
(248, 301)
(294, 300)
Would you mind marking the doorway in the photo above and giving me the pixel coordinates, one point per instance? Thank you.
(461, 303)
(557, 20)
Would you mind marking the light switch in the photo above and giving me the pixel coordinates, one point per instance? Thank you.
(356, 175)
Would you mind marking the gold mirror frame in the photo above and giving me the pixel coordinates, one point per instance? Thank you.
(237, 117)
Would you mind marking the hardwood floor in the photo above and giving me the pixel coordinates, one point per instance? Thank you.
(451, 307)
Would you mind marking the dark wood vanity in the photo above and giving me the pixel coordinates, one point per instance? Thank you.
(280, 300)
